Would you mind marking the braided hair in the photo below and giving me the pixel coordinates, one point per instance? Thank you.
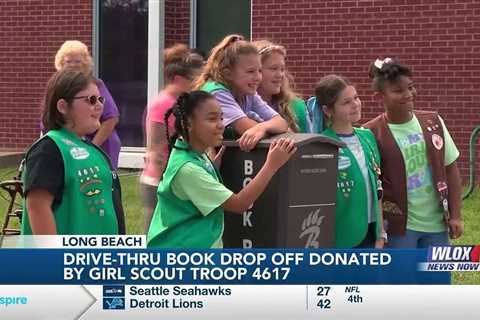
(387, 70)
(183, 111)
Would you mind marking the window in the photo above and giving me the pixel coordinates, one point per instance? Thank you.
(218, 18)
(122, 59)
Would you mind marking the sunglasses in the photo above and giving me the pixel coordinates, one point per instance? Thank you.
(92, 99)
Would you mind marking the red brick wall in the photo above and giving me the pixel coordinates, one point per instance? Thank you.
(439, 39)
(177, 22)
(31, 33)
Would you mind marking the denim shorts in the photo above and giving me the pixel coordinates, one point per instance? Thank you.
(418, 239)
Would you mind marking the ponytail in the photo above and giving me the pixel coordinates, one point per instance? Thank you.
(222, 57)
(179, 60)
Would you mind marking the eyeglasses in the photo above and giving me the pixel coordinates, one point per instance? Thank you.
(92, 99)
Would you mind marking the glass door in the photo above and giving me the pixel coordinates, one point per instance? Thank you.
(122, 62)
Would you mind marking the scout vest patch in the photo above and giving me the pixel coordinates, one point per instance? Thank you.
(344, 162)
(79, 153)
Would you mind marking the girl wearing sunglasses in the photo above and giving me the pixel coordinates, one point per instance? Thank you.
(74, 55)
(70, 185)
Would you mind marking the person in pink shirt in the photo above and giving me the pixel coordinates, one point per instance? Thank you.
(182, 65)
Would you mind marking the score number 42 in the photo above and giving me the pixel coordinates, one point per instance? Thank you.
(324, 303)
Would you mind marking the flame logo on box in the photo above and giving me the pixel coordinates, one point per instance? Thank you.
(311, 228)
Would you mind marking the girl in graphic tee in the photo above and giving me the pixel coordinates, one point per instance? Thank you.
(422, 189)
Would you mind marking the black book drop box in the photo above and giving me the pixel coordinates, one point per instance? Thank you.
(297, 209)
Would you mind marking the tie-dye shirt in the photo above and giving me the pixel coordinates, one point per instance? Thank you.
(424, 212)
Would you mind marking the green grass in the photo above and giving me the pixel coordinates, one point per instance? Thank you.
(132, 205)
(134, 217)
(130, 199)
(471, 235)
(7, 174)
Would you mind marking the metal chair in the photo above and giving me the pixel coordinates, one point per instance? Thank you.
(14, 189)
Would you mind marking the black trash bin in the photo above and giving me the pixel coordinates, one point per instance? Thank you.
(298, 207)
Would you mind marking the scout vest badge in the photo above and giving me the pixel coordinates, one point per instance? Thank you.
(378, 172)
(432, 126)
(442, 189)
(376, 167)
(345, 184)
(344, 163)
(79, 153)
(437, 141)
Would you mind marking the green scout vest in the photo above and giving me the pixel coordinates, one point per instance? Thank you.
(299, 109)
(211, 87)
(87, 205)
(178, 223)
(352, 207)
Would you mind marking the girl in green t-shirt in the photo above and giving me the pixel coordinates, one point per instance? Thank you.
(191, 195)
(359, 221)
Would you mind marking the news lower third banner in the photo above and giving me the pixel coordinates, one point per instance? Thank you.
(101, 277)
(252, 302)
(227, 266)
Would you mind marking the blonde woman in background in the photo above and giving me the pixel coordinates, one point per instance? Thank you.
(74, 54)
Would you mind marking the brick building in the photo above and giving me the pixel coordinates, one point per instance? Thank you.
(439, 39)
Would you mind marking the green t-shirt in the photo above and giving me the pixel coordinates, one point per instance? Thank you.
(424, 212)
(179, 222)
(198, 186)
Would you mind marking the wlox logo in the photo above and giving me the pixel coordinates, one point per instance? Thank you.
(454, 253)
(114, 297)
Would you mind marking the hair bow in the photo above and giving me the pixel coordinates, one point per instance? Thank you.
(379, 63)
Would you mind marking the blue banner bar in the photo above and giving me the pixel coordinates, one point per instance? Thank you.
(227, 266)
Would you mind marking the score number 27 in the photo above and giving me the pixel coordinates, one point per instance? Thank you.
(324, 303)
